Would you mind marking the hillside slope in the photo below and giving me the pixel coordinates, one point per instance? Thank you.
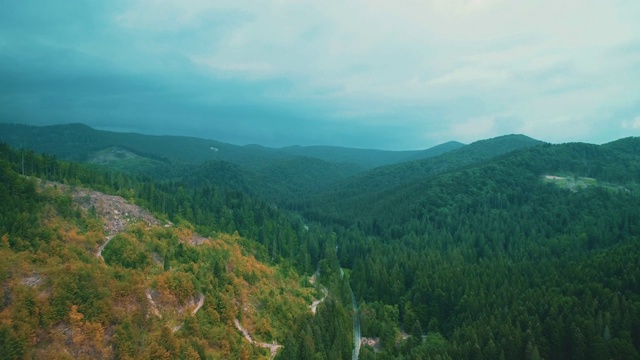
(369, 184)
(154, 290)
(89, 275)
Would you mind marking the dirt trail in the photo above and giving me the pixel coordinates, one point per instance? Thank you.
(193, 313)
(104, 245)
(272, 347)
(200, 303)
(154, 307)
(314, 305)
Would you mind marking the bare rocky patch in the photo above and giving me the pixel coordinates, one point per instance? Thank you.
(115, 211)
(111, 155)
(577, 183)
(33, 280)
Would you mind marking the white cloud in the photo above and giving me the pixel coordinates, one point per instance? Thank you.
(631, 124)
(557, 128)
(474, 128)
(544, 62)
(255, 70)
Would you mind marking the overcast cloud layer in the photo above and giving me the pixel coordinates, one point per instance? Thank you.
(373, 74)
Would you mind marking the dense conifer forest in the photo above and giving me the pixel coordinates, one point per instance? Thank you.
(508, 248)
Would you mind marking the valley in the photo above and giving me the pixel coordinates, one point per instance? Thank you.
(134, 246)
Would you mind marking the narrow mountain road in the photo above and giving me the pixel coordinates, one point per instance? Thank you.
(357, 341)
(99, 252)
(154, 306)
(199, 305)
(357, 336)
(272, 347)
(193, 313)
(315, 303)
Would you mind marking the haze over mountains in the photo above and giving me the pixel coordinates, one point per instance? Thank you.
(80, 142)
(298, 169)
(273, 173)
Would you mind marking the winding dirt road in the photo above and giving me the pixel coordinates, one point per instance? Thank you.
(315, 303)
(99, 252)
(199, 305)
(272, 347)
(193, 313)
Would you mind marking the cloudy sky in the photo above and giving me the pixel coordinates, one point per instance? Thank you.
(374, 74)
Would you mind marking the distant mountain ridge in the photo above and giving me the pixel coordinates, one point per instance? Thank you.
(393, 192)
(369, 158)
(385, 177)
(271, 173)
(76, 141)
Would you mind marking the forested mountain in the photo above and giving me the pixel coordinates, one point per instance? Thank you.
(532, 255)
(369, 184)
(507, 248)
(286, 179)
(82, 143)
(577, 160)
(302, 176)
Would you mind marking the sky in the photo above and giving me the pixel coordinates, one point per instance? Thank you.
(396, 75)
